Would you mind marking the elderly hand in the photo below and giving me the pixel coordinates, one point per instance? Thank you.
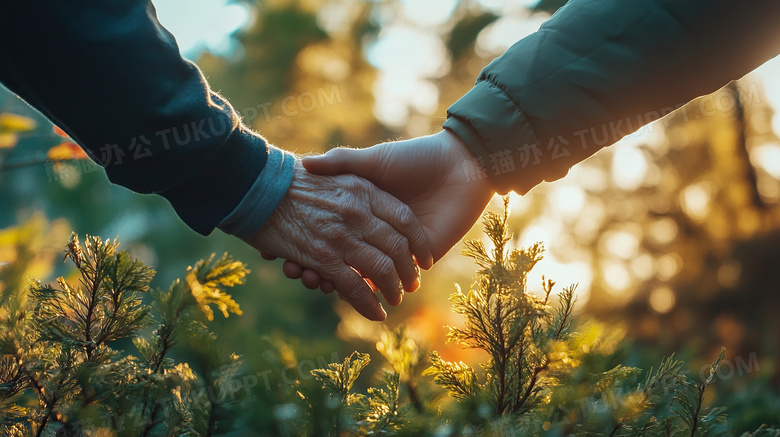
(427, 173)
(341, 225)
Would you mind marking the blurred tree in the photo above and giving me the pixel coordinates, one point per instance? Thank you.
(681, 226)
(695, 237)
(302, 87)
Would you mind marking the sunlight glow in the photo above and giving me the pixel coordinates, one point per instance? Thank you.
(492, 5)
(668, 266)
(517, 203)
(540, 230)
(429, 12)
(663, 231)
(506, 31)
(334, 17)
(405, 57)
(408, 51)
(695, 200)
(500, 5)
(616, 277)
(568, 200)
(591, 218)
(629, 165)
(662, 299)
(769, 188)
(564, 275)
(589, 177)
(397, 94)
(642, 266)
(622, 244)
(768, 73)
(767, 156)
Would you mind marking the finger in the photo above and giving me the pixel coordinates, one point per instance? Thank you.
(339, 160)
(292, 270)
(310, 279)
(267, 256)
(401, 217)
(327, 287)
(379, 267)
(353, 289)
(371, 284)
(387, 239)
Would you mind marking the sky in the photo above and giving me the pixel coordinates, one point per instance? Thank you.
(205, 26)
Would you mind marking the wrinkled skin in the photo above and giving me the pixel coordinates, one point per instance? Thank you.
(341, 225)
(426, 173)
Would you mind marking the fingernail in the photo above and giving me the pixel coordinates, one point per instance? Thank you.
(415, 285)
(379, 315)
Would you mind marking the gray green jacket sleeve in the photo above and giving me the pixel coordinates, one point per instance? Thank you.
(112, 77)
(597, 71)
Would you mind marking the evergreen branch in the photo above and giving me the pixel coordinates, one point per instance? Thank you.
(209, 277)
(520, 406)
(458, 378)
(692, 410)
(500, 357)
(339, 377)
(566, 302)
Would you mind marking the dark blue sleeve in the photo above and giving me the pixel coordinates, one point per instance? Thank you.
(112, 77)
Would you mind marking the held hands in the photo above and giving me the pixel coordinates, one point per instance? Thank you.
(341, 225)
(425, 173)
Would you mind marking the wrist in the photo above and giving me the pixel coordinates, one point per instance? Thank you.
(463, 161)
(262, 199)
(455, 146)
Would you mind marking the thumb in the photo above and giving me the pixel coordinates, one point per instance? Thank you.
(340, 160)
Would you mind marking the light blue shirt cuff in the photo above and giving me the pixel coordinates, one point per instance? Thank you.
(262, 198)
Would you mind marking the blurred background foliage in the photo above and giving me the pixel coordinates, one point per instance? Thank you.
(673, 234)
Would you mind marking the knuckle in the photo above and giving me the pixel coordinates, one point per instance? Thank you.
(406, 218)
(353, 212)
(355, 184)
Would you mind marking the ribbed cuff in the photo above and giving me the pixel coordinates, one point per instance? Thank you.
(262, 198)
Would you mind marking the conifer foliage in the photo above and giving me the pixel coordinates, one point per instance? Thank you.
(542, 376)
(66, 369)
(61, 374)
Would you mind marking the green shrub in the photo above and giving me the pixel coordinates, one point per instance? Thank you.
(541, 378)
(65, 369)
(60, 373)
